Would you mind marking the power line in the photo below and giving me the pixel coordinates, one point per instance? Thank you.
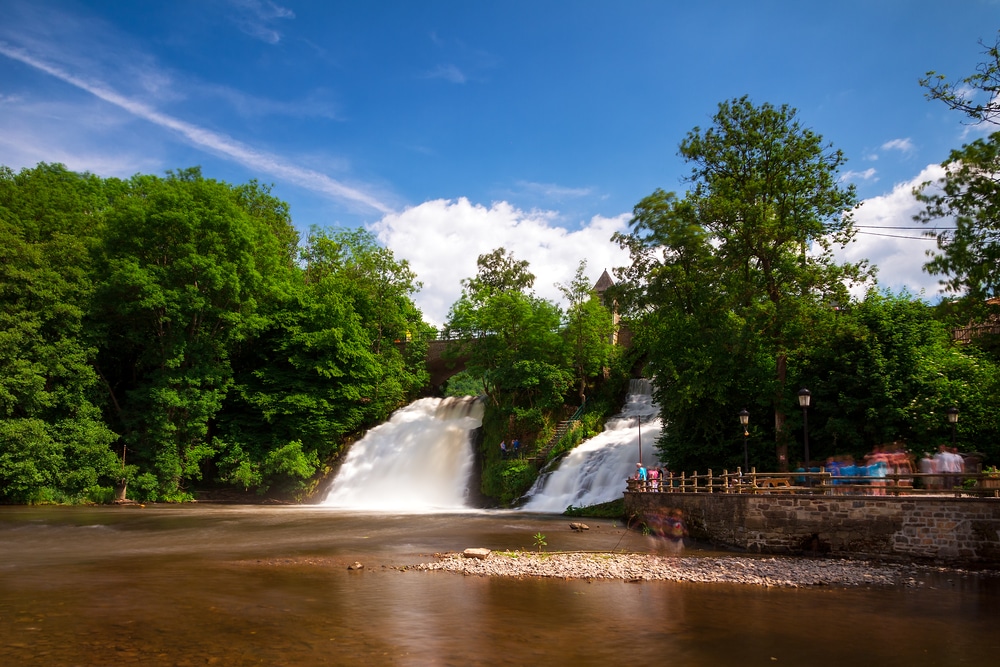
(900, 236)
(923, 227)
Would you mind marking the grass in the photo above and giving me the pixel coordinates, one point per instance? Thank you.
(610, 510)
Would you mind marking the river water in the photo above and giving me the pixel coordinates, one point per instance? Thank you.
(270, 585)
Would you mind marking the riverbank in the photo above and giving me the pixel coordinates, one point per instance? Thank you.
(755, 571)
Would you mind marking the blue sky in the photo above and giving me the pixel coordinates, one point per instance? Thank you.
(451, 128)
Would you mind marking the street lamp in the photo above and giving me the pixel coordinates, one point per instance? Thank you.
(804, 395)
(953, 420)
(745, 419)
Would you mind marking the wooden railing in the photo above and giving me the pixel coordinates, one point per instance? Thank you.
(822, 483)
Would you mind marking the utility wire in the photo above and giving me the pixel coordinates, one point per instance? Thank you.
(911, 227)
(900, 236)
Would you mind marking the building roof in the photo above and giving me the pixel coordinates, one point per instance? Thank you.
(603, 283)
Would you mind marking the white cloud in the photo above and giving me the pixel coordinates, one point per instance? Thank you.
(902, 145)
(899, 260)
(865, 175)
(443, 238)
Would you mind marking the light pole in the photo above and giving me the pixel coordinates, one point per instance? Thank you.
(953, 420)
(804, 395)
(745, 419)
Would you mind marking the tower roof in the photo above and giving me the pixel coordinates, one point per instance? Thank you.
(603, 283)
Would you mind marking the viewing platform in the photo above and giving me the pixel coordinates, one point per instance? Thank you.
(823, 483)
(953, 519)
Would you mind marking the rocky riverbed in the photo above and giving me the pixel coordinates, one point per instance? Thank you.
(756, 571)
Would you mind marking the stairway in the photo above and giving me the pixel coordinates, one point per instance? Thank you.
(561, 429)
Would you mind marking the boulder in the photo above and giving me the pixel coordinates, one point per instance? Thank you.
(479, 553)
(579, 526)
(356, 566)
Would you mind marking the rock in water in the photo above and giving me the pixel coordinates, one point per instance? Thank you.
(579, 526)
(479, 553)
(356, 566)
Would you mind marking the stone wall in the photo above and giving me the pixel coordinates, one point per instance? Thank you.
(907, 528)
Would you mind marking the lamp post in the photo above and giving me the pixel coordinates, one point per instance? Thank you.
(953, 420)
(745, 419)
(804, 396)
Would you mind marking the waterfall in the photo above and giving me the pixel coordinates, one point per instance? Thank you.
(596, 470)
(418, 461)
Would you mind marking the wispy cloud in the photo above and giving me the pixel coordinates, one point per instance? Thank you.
(553, 191)
(313, 106)
(902, 145)
(217, 143)
(257, 19)
(449, 73)
(865, 175)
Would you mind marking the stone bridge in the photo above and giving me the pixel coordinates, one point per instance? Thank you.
(440, 368)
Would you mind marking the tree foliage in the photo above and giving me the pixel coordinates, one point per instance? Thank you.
(53, 441)
(344, 352)
(725, 281)
(511, 336)
(587, 330)
(167, 332)
(969, 193)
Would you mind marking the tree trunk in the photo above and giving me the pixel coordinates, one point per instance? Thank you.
(780, 437)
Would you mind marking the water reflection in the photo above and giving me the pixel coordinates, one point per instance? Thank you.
(242, 586)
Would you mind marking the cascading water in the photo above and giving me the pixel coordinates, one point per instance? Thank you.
(595, 471)
(418, 461)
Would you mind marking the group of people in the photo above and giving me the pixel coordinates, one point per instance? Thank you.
(514, 449)
(942, 471)
(947, 467)
(649, 478)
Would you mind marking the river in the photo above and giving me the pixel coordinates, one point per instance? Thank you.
(270, 585)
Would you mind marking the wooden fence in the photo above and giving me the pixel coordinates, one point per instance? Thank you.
(822, 483)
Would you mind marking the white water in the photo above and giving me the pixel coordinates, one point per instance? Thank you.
(596, 470)
(418, 461)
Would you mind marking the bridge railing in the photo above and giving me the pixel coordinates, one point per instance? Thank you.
(821, 483)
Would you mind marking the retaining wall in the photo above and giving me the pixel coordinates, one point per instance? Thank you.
(907, 528)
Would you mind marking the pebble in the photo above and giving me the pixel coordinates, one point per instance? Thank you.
(756, 571)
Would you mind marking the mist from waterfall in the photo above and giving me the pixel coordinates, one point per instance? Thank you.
(419, 461)
(595, 471)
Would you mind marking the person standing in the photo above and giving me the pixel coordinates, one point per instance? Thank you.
(927, 467)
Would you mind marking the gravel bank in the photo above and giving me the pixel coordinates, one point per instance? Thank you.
(764, 571)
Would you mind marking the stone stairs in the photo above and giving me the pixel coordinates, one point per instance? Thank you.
(561, 429)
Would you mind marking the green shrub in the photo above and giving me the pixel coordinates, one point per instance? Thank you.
(101, 495)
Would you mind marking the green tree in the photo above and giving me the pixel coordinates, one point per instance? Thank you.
(343, 351)
(884, 370)
(186, 262)
(587, 330)
(724, 281)
(53, 443)
(968, 256)
(511, 337)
